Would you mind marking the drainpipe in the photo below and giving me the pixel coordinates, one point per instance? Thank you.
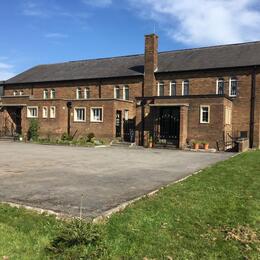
(69, 106)
(252, 108)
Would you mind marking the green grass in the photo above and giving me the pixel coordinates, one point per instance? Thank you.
(212, 215)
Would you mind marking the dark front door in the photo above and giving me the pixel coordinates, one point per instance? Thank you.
(118, 123)
(168, 126)
(129, 130)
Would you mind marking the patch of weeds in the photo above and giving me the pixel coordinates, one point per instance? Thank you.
(78, 239)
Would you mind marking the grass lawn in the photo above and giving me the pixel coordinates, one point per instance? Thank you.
(212, 215)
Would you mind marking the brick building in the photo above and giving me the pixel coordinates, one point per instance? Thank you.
(210, 94)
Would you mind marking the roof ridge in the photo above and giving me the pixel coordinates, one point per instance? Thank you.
(211, 47)
(93, 59)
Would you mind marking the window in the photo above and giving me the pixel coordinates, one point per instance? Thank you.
(126, 93)
(185, 88)
(204, 114)
(220, 86)
(79, 114)
(173, 88)
(53, 94)
(45, 94)
(160, 90)
(96, 114)
(45, 112)
(233, 87)
(117, 92)
(21, 92)
(86, 93)
(52, 112)
(78, 93)
(228, 116)
(126, 115)
(32, 112)
(15, 93)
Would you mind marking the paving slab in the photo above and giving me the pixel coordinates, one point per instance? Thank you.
(58, 178)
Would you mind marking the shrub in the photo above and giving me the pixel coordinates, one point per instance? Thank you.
(78, 239)
(66, 137)
(33, 130)
(90, 136)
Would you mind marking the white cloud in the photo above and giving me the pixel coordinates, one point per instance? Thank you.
(6, 71)
(56, 35)
(98, 3)
(203, 22)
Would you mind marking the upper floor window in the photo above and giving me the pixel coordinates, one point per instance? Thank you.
(233, 87)
(78, 93)
(126, 93)
(185, 88)
(204, 114)
(86, 93)
(117, 92)
(220, 86)
(173, 88)
(15, 93)
(160, 91)
(53, 93)
(21, 92)
(45, 94)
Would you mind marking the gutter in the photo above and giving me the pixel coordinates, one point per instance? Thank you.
(252, 108)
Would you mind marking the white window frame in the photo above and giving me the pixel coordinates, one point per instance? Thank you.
(78, 90)
(43, 113)
(183, 82)
(54, 109)
(92, 115)
(15, 93)
(217, 89)
(115, 92)
(51, 94)
(32, 107)
(86, 93)
(124, 92)
(158, 88)
(45, 94)
(230, 81)
(21, 92)
(173, 82)
(201, 114)
(75, 115)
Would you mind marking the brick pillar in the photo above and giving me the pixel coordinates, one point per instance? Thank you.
(150, 64)
(183, 126)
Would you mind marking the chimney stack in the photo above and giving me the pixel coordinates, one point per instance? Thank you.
(150, 64)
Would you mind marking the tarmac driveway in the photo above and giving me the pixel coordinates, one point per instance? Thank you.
(57, 177)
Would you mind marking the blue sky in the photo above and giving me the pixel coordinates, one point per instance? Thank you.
(47, 31)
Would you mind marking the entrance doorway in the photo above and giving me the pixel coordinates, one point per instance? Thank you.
(167, 126)
(118, 123)
(12, 122)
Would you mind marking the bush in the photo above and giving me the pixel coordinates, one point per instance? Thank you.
(90, 136)
(78, 239)
(66, 137)
(33, 130)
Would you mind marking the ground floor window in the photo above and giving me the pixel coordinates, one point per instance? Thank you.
(45, 112)
(32, 112)
(52, 112)
(79, 114)
(96, 114)
(204, 114)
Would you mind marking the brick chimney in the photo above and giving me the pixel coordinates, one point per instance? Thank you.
(150, 64)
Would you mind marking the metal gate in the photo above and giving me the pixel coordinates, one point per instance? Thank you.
(167, 126)
(129, 130)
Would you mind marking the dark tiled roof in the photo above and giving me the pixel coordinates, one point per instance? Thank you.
(225, 56)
